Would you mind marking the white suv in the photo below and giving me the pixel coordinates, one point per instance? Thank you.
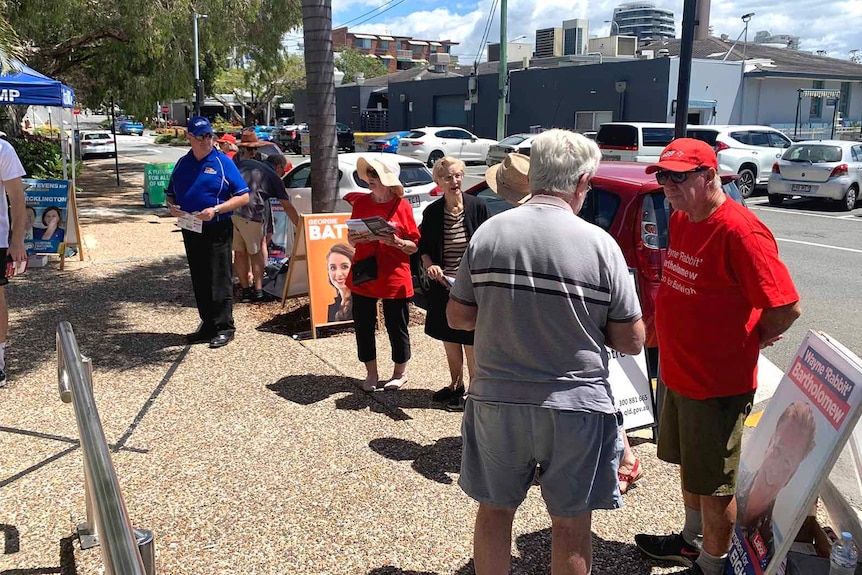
(748, 151)
(430, 144)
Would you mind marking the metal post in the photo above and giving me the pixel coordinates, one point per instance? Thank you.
(685, 52)
(114, 133)
(198, 86)
(745, 18)
(796, 119)
(147, 548)
(502, 74)
(834, 115)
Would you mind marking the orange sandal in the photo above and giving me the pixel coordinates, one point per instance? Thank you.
(627, 480)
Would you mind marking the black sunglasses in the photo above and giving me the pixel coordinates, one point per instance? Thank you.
(203, 137)
(678, 177)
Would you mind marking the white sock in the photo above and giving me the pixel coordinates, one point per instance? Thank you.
(710, 564)
(693, 529)
(3, 355)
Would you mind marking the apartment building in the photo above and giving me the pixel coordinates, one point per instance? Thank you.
(549, 43)
(644, 20)
(396, 52)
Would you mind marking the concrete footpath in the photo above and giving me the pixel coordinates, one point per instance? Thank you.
(263, 457)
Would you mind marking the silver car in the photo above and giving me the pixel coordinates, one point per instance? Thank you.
(818, 169)
(520, 143)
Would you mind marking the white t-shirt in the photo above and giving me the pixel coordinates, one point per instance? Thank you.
(10, 168)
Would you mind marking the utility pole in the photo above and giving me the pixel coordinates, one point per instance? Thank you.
(502, 74)
(686, 47)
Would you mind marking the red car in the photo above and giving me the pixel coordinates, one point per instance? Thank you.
(630, 205)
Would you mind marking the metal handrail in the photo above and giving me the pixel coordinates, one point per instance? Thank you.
(107, 516)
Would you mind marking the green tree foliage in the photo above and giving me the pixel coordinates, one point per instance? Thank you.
(261, 81)
(143, 51)
(352, 61)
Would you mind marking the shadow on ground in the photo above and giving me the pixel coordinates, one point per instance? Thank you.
(96, 306)
(67, 562)
(434, 462)
(309, 389)
(390, 570)
(609, 557)
(99, 180)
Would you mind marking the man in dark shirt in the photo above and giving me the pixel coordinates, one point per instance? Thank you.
(250, 222)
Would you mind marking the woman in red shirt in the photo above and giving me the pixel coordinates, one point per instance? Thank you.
(394, 283)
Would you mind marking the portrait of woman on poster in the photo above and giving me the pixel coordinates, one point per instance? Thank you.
(31, 222)
(790, 444)
(338, 262)
(52, 217)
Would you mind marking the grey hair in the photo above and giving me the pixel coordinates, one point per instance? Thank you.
(558, 159)
(276, 160)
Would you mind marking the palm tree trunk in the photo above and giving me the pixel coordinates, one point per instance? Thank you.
(320, 89)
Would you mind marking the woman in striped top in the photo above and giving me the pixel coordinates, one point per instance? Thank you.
(447, 226)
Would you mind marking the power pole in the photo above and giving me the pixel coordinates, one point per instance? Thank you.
(686, 47)
(502, 74)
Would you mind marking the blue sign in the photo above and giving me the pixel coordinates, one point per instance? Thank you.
(47, 214)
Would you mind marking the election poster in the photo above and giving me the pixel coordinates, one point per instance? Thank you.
(319, 266)
(791, 452)
(630, 386)
(48, 224)
(156, 178)
(283, 231)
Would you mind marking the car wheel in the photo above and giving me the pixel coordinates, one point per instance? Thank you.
(849, 201)
(776, 200)
(746, 182)
(432, 159)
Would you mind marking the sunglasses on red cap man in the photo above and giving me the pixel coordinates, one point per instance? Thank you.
(682, 157)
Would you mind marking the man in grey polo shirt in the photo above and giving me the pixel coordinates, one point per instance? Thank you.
(545, 292)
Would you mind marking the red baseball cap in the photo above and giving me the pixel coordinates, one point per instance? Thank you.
(684, 155)
(230, 138)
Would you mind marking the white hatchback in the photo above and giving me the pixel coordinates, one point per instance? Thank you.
(430, 144)
(97, 142)
(415, 177)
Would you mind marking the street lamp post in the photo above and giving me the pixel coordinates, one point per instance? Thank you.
(199, 92)
(613, 23)
(745, 18)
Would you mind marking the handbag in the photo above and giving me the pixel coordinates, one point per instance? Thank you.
(365, 270)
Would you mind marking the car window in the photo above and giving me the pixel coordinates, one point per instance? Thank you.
(600, 208)
(857, 153)
(462, 134)
(411, 175)
(618, 136)
(340, 126)
(814, 153)
(708, 136)
(657, 136)
(758, 139)
(299, 178)
(415, 134)
(732, 192)
(495, 203)
(513, 140)
(742, 137)
(778, 140)
(97, 136)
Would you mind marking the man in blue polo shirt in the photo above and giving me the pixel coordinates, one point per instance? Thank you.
(207, 184)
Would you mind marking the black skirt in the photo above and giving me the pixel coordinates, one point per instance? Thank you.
(435, 318)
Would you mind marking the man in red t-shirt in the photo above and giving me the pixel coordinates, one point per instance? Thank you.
(724, 296)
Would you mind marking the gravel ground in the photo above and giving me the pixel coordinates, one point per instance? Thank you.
(263, 457)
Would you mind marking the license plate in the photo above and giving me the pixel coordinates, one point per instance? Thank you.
(610, 158)
(415, 201)
(800, 188)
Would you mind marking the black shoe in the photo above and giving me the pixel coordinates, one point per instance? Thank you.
(259, 296)
(200, 336)
(456, 403)
(668, 548)
(221, 340)
(247, 295)
(445, 394)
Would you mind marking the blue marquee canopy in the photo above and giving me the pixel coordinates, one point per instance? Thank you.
(26, 86)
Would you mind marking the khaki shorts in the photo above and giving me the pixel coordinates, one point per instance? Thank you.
(704, 437)
(247, 235)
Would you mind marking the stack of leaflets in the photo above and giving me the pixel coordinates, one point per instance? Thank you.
(374, 226)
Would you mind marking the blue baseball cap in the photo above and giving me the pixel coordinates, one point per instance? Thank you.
(198, 126)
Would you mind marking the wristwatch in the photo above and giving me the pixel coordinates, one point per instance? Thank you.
(215, 209)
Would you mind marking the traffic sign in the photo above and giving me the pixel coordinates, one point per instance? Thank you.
(76, 111)
(165, 109)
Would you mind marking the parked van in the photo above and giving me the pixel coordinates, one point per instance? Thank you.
(633, 141)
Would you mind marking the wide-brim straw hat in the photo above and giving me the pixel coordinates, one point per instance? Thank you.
(386, 169)
(510, 179)
(250, 140)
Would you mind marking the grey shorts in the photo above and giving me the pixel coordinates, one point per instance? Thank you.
(575, 453)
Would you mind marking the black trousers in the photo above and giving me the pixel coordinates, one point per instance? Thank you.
(209, 257)
(395, 316)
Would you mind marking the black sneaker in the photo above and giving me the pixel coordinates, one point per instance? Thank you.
(247, 295)
(456, 403)
(668, 548)
(445, 394)
(2, 377)
(259, 296)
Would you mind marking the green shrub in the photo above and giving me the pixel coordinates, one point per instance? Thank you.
(178, 142)
(164, 139)
(41, 157)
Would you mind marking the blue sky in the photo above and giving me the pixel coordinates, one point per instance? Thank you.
(817, 22)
